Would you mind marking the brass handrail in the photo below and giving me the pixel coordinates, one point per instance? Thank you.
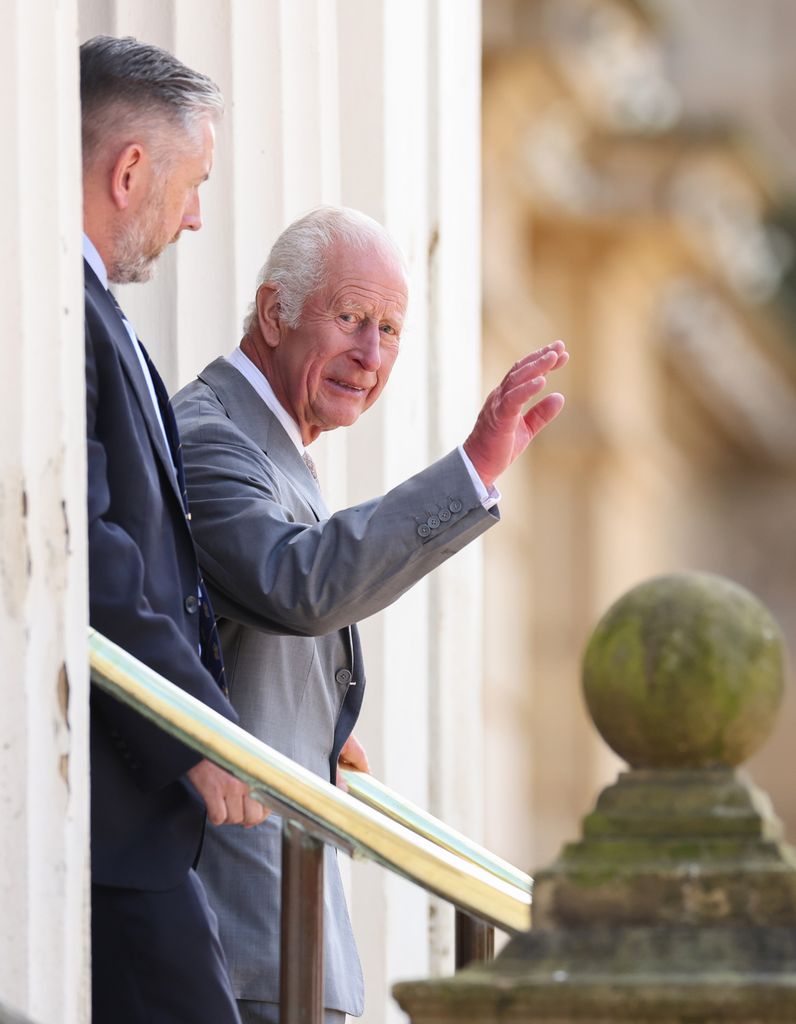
(323, 809)
(381, 798)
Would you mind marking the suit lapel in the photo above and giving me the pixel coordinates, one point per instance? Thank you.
(249, 412)
(132, 370)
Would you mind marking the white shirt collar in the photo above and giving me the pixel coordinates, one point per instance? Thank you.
(262, 386)
(94, 260)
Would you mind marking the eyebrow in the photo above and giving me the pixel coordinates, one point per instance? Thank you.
(392, 313)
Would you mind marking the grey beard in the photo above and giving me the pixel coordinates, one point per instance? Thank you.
(131, 266)
(133, 272)
(134, 254)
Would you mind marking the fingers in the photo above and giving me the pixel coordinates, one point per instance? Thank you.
(527, 378)
(236, 807)
(525, 372)
(226, 798)
(253, 812)
(242, 809)
(353, 755)
(559, 349)
(234, 795)
(544, 412)
(544, 361)
(216, 809)
(206, 779)
(553, 356)
(513, 399)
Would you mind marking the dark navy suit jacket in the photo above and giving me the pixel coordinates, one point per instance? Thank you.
(147, 823)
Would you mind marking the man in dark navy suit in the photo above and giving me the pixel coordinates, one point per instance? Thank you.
(148, 135)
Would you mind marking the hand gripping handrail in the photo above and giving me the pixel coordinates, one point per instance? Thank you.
(323, 810)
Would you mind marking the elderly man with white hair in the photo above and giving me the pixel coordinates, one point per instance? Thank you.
(289, 580)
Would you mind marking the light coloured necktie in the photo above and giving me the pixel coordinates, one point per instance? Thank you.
(310, 465)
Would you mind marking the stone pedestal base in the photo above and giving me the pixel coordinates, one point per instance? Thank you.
(604, 975)
(678, 903)
(678, 906)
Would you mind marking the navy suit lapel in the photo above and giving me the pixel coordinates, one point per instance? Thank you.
(132, 370)
(111, 315)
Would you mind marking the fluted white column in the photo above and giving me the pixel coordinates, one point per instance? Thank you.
(456, 713)
(43, 725)
(410, 75)
(383, 62)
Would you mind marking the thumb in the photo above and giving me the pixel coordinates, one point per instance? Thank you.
(544, 412)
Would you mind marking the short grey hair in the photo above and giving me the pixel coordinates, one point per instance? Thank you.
(298, 262)
(126, 85)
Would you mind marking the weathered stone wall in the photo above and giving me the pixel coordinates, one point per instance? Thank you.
(43, 722)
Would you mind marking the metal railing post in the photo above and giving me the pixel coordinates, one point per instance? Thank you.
(475, 940)
(301, 947)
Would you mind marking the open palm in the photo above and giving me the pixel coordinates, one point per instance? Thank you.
(503, 431)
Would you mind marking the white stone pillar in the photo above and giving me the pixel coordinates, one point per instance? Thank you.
(383, 63)
(456, 721)
(409, 138)
(44, 947)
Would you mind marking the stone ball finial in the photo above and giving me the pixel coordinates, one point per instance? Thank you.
(685, 671)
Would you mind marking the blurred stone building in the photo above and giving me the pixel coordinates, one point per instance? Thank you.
(636, 159)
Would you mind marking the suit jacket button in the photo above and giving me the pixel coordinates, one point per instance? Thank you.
(455, 506)
(424, 530)
(433, 522)
(191, 604)
(444, 515)
(343, 676)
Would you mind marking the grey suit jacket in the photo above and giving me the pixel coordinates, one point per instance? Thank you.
(289, 583)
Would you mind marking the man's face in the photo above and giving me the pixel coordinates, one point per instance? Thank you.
(335, 364)
(170, 205)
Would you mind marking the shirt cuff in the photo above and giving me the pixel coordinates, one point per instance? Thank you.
(488, 496)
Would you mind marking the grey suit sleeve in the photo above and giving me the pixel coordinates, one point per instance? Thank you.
(272, 572)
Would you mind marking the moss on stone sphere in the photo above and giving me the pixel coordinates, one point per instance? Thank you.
(685, 671)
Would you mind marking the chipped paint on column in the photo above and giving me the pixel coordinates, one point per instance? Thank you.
(43, 729)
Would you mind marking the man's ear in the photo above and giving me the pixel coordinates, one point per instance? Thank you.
(126, 174)
(269, 313)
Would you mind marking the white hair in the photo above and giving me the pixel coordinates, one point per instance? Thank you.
(298, 262)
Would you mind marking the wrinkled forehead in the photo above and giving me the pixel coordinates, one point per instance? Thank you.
(370, 298)
(371, 279)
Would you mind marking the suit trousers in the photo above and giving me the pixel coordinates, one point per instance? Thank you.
(254, 1012)
(157, 958)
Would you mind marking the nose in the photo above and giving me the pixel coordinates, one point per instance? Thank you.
(192, 214)
(368, 350)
